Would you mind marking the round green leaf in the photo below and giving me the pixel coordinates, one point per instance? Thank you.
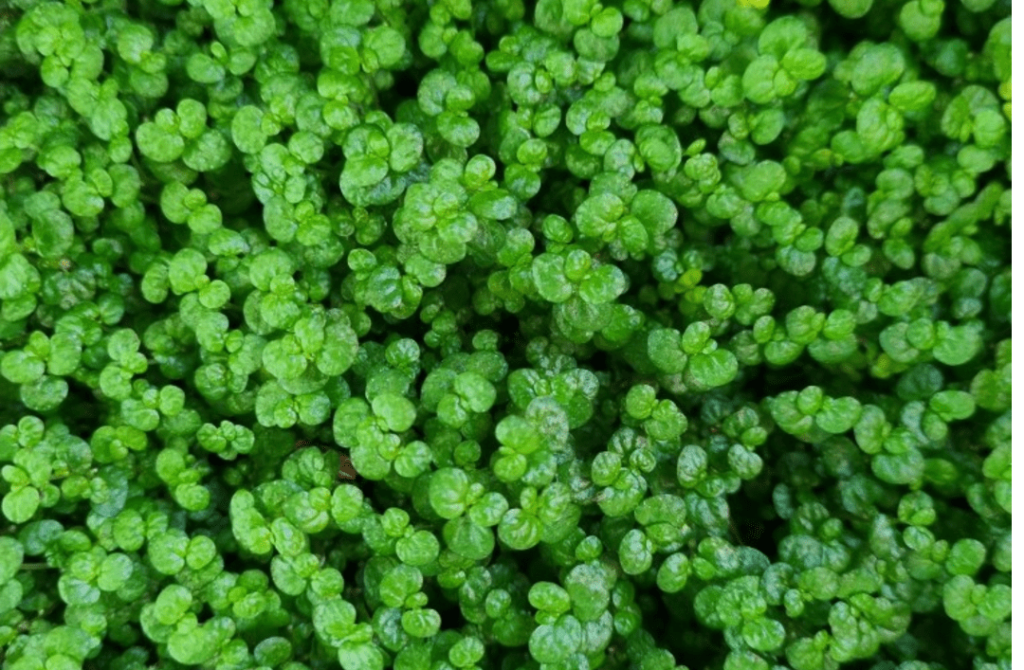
(449, 488)
(468, 539)
(21, 505)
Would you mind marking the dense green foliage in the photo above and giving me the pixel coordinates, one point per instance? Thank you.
(661, 335)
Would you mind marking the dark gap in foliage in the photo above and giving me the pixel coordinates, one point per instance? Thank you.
(405, 87)
(451, 618)
(238, 561)
(231, 190)
(538, 569)
(511, 339)
(689, 641)
(598, 361)
(939, 639)
(988, 574)
(957, 502)
(871, 663)
(351, 574)
(387, 496)
(551, 198)
(753, 521)
(82, 408)
(379, 492)
(764, 381)
(446, 603)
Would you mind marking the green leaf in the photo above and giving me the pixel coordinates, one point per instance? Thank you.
(193, 646)
(838, 415)
(640, 401)
(11, 555)
(397, 412)
(172, 604)
(398, 584)
(288, 575)
(589, 592)
(598, 215)
(158, 144)
(449, 488)
(18, 277)
(466, 538)
(418, 549)
(496, 204)
(167, 551)
(673, 573)
(19, 506)
(53, 231)
(996, 604)
(114, 573)
(387, 44)
(75, 591)
(273, 651)
(362, 172)
(851, 9)
(247, 131)
(663, 348)
(549, 277)
(760, 181)
(966, 557)
(957, 597)
(636, 552)
(21, 367)
(208, 153)
(478, 393)
(992, 389)
(549, 597)
(187, 266)
(360, 656)
(764, 634)
(659, 146)
(655, 211)
(952, 405)
(519, 529)
(906, 468)
(553, 643)
(421, 623)
(603, 285)
(804, 63)
(707, 371)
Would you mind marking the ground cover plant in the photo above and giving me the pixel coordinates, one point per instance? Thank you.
(480, 334)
